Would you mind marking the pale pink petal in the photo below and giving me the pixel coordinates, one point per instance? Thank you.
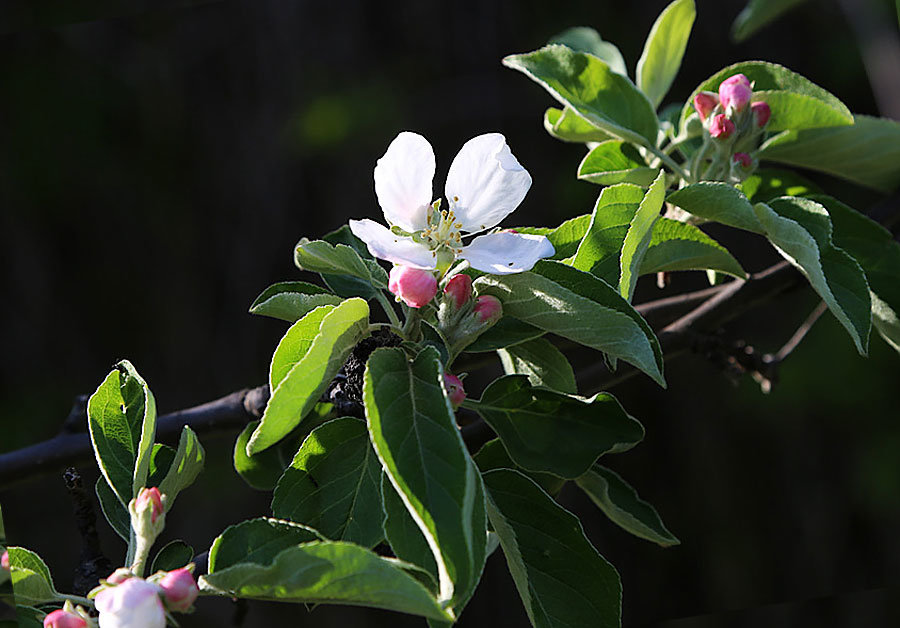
(403, 178)
(505, 252)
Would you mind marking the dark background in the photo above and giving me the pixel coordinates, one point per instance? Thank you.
(157, 167)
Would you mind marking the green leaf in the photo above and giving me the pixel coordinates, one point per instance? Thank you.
(620, 502)
(586, 39)
(185, 468)
(295, 344)
(615, 161)
(677, 246)
(800, 111)
(174, 555)
(257, 541)
(637, 239)
(261, 471)
(292, 300)
(493, 455)
(314, 365)
(404, 536)
(562, 579)
(664, 49)
(578, 306)
(547, 431)
(26, 617)
(769, 77)
(414, 432)
(328, 573)
(30, 576)
(719, 202)
(507, 332)
(322, 257)
(568, 126)
(333, 484)
(768, 183)
(116, 514)
(541, 362)
(122, 423)
(866, 153)
(564, 238)
(878, 253)
(586, 84)
(801, 230)
(759, 13)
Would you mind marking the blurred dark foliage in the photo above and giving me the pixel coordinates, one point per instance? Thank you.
(158, 165)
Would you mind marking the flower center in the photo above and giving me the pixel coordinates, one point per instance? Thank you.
(442, 229)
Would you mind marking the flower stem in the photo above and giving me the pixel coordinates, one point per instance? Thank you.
(388, 308)
(668, 161)
(75, 599)
(412, 327)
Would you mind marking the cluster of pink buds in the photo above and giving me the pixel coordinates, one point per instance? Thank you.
(734, 125)
(462, 316)
(126, 601)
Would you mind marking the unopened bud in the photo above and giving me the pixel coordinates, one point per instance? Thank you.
(64, 619)
(413, 286)
(761, 113)
(735, 93)
(458, 290)
(704, 103)
(119, 576)
(488, 309)
(455, 391)
(742, 159)
(149, 498)
(4, 561)
(179, 589)
(721, 127)
(133, 603)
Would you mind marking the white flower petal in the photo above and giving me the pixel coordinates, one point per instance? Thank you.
(506, 252)
(385, 245)
(488, 182)
(403, 178)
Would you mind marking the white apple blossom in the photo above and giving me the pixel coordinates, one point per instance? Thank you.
(135, 603)
(484, 185)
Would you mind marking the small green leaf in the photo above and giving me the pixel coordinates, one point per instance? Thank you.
(757, 14)
(677, 246)
(801, 230)
(562, 579)
(640, 231)
(620, 502)
(866, 153)
(586, 39)
(256, 541)
(322, 257)
(292, 300)
(30, 576)
(333, 484)
(507, 332)
(568, 126)
(261, 471)
(578, 306)
(414, 432)
(185, 468)
(313, 366)
(878, 253)
(174, 555)
(116, 514)
(564, 238)
(792, 111)
(295, 344)
(719, 202)
(550, 432)
(768, 183)
(541, 362)
(586, 84)
(615, 161)
(122, 423)
(769, 77)
(664, 49)
(327, 573)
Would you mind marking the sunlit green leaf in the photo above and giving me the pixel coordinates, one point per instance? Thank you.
(757, 14)
(768, 183)
(185, 468)
(564, 238)
(30, 576)
(292, 300)
(615, 161)
(568, 126)
(586, 39)
(637, 238)
(664, 49)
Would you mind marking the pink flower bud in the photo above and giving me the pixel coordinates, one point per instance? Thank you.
(704, 103)
(133, 603)
(455, 390)
(459, 290)
(721, 127)
(761, 113)
(179, 589)
(742, 159)
(4, 561)
(414, 286)
(151, 496)
(735, 92)
(64, 619)
(488, 309)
